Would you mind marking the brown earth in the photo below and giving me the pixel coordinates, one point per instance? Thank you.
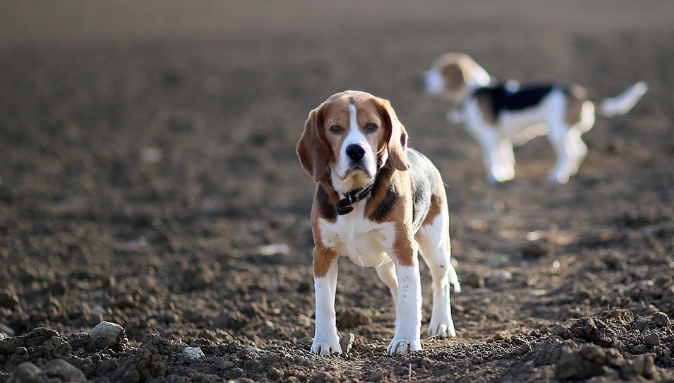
(147, 156)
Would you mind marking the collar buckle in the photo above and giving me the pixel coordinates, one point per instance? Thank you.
(344, 205)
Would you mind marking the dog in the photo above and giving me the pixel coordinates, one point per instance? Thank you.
(379, 203)
(500, 115)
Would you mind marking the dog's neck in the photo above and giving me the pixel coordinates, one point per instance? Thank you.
(345, 202)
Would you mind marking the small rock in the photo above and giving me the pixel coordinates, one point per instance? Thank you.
(498, 278)
(26, 372)
(652, 339)
(475, 280)
(379, 376)
(668, 294)
(4, 329)
(659, 319)
(534, 250)
(561, 331)
(274, 373)
(498, 261)
(193, 352)
(322, 377)
(107, 334)
(58, 288)
(346, 342)
(273, 249)
(9, 299)
(60, 369)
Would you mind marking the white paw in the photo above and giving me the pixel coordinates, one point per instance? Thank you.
(558, 177)
(442, 329)
(403, 347)
(326, 347)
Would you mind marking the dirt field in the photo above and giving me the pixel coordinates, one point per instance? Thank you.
(149, 179)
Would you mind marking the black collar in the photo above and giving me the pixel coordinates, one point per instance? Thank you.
(344, 204)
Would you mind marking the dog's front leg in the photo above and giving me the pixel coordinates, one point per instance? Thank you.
(326, 340)
(408, 310)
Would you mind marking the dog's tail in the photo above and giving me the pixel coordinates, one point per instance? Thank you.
(624, 102)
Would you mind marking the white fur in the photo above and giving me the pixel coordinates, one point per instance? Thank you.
(326, 340)
(365, 242)
(434, 245)
(624, 102)
(518, 127)
(369, 244)
(347, 177)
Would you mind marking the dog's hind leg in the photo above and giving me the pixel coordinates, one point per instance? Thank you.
(434, 245)
(387, 274)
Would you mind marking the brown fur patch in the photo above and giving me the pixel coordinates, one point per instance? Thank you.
(575, 95)
(485, 103)
(402, 246)
(401, 216)
(323, 259)
(453, 76)
(434, 210)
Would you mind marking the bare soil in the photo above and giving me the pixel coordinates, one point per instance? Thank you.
(147, 163)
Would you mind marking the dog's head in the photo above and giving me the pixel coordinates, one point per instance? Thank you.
(354, 134)
(453, 75)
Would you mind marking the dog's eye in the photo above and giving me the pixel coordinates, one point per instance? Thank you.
(371, 127)
(336, 129)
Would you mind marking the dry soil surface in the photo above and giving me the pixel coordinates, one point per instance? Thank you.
(149, 179)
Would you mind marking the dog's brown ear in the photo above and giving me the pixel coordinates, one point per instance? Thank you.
(312, 148)
(396, 136)
(454, 75)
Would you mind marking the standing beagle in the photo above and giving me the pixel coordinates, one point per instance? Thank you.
(500, 115)
(379, 203)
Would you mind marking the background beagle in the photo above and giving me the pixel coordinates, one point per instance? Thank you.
(500, 115)
(378, 203)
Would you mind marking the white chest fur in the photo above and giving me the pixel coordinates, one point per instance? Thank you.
(365, 242)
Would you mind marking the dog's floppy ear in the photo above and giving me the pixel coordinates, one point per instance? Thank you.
(396, 136)
(312, 148)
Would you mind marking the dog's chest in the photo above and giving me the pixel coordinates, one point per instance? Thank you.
(365, 242)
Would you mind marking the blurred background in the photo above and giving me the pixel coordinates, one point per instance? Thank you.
(147, 160)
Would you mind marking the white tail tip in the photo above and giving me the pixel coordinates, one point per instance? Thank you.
(624, 102)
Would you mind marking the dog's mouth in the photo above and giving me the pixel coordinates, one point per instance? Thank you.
(356, 177)
(359, 175)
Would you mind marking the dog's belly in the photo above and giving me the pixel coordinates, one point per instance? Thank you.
(365, 242)
(513, 124)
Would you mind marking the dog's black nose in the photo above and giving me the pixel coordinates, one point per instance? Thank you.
(355, 152)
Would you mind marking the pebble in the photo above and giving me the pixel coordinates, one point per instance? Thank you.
(108, 334)
(193, 352)
(66, 372)
(56, 370)
(498, 278)
(652, 339)
(4, 329)
(273, 249)
(9, 299)
(660, 319)
(346, 342)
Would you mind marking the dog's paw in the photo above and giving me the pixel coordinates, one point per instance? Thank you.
(326, 347)
(442, 329)
(403, 347)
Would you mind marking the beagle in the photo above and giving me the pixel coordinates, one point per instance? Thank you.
(378, 203)
(500, 115)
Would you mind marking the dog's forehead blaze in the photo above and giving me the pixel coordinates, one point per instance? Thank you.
(336, 112)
